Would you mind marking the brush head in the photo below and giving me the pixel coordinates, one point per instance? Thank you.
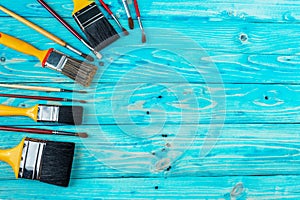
(61, 114)
(47, 161)
(99, 32)
(143, 37)
(81, 72)
(125, 32)
(70, 115)
(89, 58)
(130, 23)
(57, 162)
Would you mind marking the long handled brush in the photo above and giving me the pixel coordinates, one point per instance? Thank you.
(114, 17)
(46, 113)
(46, 161)
(42, 131)
(41, 98)
(81, 72)
(127, 10)
(39, 88)
(69, 27)
(45, 33)
(138, 14)
(99, 32)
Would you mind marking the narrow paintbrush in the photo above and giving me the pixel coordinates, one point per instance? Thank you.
(114, 17)
(127, 10)
(38, 88)
(41, 98)
(42, 131)
(138, 14)
(46, 161)
(69, 27)
(99, 32)
(77, 70)
(45, 33)
(46, 113)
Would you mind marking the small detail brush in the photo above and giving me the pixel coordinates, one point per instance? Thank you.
(41, 98)
(46, 113)
(138, 14)
(79, 71)
(99, 32)
(42, 131)
(45, 33)
(125, 32)
(38, 88)
(127, 10)
(43, 160)
(69, 27)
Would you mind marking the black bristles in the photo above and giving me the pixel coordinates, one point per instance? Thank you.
(57, 162)
(81, 72)
(70, 115)
(99, 32)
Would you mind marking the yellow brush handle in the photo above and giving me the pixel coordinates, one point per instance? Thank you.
(22, 46)
(80, 4)
(13, 157)
(33, 26)
(15, 111)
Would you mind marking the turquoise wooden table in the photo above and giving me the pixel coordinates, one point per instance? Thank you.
(206, 109)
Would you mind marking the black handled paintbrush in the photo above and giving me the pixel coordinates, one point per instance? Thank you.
(46, 113)
(43, 160)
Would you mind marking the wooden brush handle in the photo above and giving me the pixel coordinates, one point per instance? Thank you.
(15, 111)
(106, 7)
(33, 26)
(80, 4)
(137, 10)
(27, 87)
(26, 130)
(60, 19)
(23, 47)
(13, 157)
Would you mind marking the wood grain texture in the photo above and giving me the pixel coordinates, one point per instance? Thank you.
(217, 77)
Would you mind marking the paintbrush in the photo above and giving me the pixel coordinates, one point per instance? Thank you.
(127, 10)
(45, 33)
(69, 27)
(46, 113)
(114, 17)
(38, 88)
(42, 131)
(46, 161)
(41, 98)
(99, 32)
(79, 71)
(138, 14)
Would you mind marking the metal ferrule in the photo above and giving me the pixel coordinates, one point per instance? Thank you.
(126, 8)
(30, 165)
(56, 61)
(116, 20)
(48, 113)
(73, 49)
(140, 23)
(88, 15)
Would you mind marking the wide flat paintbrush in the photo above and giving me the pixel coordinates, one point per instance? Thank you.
(42, 131)
(99, 32)
(39, 88)
(46, 113)
(138, 14)
(114, 17)
(127, 10)
(46, 161)
(79, 71)
(69, 27)
(41, 98)
(46, 33)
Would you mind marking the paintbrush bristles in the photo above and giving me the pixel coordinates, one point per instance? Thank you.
(81, 72)
(130, 23)
(143, 37)
(125, 32)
